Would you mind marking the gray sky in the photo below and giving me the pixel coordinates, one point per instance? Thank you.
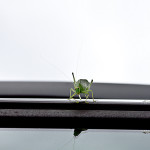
(47, 40)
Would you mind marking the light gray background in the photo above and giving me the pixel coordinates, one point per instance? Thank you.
(47, 40)
(62, 139)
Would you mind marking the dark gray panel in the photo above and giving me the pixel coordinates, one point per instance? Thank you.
(61, 90)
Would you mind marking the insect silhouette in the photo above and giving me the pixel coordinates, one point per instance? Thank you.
(76, 133)
(81, 86)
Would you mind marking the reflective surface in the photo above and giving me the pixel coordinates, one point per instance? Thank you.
(98, 101)
(62, 139)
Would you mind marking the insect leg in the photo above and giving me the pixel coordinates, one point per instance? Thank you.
(71, 96)
(92, 95)
(86, 97)
(71, 90)
(79, 96)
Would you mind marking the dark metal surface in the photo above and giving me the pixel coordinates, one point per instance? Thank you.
(44, 114)
(61, 90)
(73, 115)
(104, 119)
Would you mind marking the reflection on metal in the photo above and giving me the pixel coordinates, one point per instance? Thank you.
(77, 131)
(146, 131)
(66, 101)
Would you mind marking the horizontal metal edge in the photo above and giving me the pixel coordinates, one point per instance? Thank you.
(62, 129)
(66, 101)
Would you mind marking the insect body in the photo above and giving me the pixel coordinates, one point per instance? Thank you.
(81, 86)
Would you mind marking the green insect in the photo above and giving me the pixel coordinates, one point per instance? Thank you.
(81, 86)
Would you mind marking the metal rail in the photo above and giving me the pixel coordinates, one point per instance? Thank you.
(90, 101)
(44, 105)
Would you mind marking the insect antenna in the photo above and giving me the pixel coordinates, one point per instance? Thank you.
(77, 133)
(78, 58)
(61, 147)
(56, 67)
(74, 143)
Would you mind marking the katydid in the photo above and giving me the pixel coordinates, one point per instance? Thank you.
(81, 86)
